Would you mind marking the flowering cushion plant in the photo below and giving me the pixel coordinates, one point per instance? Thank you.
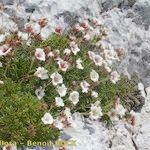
(44, 81)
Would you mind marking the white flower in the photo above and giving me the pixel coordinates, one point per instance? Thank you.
(2, 38)
(120, 110)
(87, 37)
(7, 51)
(91, 55)
(40, 93)
(94, 94)
(67, 112)
(4, 148)
(98, 60)
(62, 90)
(108, 62)
(45, 32)
(56, 78)
(95, 32)
(58, 124)
(96, 22)
(108, 69)
(75, 50)
(68, 116)
(59, 101)
(29, 41)
(96, 111)
(4, 50)
(97, 103)
(63, 65)
(47, 118)
(36, 28)
(110, 53)
(57, 52)
(94, 76)
(41, 73)
(74, 97)
(72, 38)
(23, 36)
(67, 51)
(9, 147)
(85, 86)
(132, 113)
(74, 47)
(1, 82)
(7, 34)
(50, 54)
(1, 65)
(78, 63)
(114, 77)
(106, 66)
(40, 54)
(113, 115)
(79, 28)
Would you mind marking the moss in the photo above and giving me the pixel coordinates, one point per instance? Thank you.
(56, 41)
(20, 110)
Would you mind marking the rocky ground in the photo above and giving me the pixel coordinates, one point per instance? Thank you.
(127, 22)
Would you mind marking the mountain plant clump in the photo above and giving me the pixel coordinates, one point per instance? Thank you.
(44, 81)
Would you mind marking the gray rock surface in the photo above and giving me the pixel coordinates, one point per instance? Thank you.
(134, 39)
(142, 8)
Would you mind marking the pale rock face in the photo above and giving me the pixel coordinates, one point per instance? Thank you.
(134, 39)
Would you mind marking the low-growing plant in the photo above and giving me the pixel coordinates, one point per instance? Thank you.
(44, 81)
